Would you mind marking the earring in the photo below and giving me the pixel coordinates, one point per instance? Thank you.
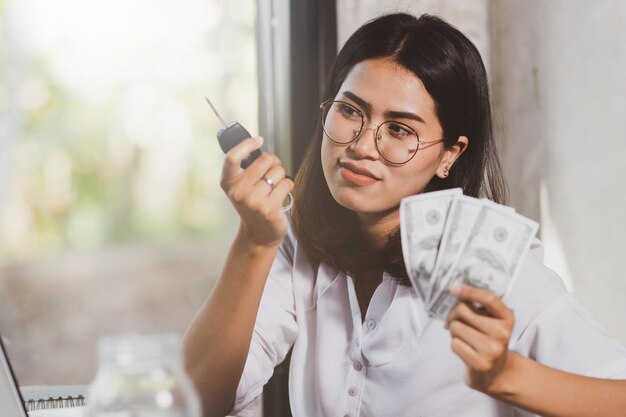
(446, 172)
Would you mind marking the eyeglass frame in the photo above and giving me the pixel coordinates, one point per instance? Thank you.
(420, 142)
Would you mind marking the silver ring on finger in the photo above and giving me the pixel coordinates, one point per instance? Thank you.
(269, 181)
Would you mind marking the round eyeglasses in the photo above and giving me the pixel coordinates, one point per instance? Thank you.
(396, 142)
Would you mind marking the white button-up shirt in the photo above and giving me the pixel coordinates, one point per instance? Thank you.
(398, 361)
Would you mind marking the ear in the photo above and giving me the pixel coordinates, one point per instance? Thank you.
(450, 155)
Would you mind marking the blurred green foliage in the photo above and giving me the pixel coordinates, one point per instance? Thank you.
(114, 141)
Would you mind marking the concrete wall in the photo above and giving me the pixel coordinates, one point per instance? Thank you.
(559, 76)
(470, 16)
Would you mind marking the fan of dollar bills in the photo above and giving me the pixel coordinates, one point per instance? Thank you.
(450, 238)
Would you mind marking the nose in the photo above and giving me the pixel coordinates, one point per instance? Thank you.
(364, 146)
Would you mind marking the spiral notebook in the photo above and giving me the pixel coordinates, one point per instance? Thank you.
(44, 398)
(13, 405)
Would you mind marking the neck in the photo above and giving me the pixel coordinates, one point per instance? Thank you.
(378, 226)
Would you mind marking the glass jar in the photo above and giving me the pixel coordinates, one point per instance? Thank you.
(142, 376)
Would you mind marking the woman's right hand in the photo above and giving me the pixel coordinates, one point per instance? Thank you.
(258, 204)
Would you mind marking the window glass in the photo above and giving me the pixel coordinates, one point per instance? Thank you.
(111, 215)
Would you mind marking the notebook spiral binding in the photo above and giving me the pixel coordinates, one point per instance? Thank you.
(59, 402)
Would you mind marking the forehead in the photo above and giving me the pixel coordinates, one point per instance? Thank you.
(386, 86)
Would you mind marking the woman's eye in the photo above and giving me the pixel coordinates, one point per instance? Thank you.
(398, 131)
(348, 111)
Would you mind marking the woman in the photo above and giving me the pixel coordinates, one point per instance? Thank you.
(407, 112)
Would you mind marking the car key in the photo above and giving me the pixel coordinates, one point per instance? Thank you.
(231, 135)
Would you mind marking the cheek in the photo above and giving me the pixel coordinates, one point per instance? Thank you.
(414, 179)
(328, 158)
(404, 186)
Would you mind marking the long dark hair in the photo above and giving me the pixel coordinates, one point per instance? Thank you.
(452, 71)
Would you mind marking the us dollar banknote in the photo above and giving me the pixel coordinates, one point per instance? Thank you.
(498, 242)
(422, 220)
(461, 217)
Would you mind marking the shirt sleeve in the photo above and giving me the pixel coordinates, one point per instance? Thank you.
(555, 329)
(565, 336)
(274, 332)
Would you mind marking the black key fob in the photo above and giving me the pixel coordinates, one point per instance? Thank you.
(232, 135)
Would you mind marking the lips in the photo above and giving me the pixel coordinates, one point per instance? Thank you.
(357, 170)
(357, 175)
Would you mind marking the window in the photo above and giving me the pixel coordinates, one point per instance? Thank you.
(111, 214)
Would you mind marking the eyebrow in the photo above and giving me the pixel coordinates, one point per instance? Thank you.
(388, 114)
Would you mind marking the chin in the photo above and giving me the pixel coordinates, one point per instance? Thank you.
(362, 204)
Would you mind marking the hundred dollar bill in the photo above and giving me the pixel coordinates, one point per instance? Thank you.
(422, 220)
(461, 217)
(463, 212)
(492, 255)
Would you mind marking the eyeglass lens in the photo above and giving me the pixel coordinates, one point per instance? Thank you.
(396, 142)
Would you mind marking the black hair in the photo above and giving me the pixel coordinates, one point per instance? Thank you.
(451, 70)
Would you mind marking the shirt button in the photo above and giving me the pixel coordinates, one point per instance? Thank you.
(357, 342)
(371, 324)
(352, 391)
(357, 365)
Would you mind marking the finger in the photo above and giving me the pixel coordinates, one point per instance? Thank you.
(272, 177)
(259, 191)
(466, 353)
(487, 299)
(474, 338)
(469, 315)
(280, 191)
(252, 175)
(232, 163)
(243, 181)
(488, 325)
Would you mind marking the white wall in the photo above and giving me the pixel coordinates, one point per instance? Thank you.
(470, 16)
(559, 80)
(558, 75)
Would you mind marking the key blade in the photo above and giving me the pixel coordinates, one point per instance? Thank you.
(215, 111)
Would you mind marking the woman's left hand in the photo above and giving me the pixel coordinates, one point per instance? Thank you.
(480, 337)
